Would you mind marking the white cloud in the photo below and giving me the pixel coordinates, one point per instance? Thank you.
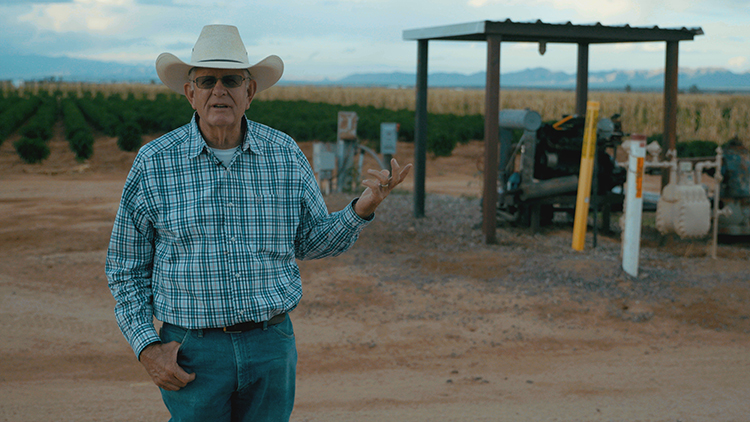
(739, 62)
(548, 10)
(97, 16)
(653, 47)
(339, 37)
(600, 10)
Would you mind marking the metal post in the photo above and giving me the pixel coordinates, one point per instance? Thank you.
(670, 103)
(582, 78)
(491, 135)
(420, 130)
(670, 95)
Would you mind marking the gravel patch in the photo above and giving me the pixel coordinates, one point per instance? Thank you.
(544, 262)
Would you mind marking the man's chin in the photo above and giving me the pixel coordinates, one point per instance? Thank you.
(221, 119)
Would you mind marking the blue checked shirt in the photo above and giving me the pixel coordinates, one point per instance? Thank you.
(200, 245)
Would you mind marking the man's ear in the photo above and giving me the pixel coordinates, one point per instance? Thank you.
(252, 88)
(189, 94)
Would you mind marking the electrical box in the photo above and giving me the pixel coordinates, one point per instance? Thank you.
(324, 157)
(388, 138)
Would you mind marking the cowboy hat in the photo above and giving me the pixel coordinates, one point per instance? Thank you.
(218, 47)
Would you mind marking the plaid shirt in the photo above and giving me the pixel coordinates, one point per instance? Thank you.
(200, 245)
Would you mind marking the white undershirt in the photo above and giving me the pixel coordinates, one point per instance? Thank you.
(224, 155)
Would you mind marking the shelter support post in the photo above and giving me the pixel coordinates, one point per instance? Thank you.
(491, 138)
(582, 79)
(670, 102)
(670, 95)
(420, 130)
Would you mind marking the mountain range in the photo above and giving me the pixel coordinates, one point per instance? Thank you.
(703, 79)
(31, 67)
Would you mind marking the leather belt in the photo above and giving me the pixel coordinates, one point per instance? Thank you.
(251, 325)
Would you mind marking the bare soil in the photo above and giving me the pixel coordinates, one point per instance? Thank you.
(420, 321)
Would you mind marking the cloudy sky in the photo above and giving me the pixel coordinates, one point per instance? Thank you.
(334, 38)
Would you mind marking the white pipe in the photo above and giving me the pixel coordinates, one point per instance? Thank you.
(373, 154)
(699, 167)
(631, 237)
(717, 188)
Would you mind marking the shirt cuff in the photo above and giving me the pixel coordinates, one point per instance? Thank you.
(356, 216)
(142, 338)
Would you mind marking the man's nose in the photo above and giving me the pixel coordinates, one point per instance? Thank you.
(219, 88)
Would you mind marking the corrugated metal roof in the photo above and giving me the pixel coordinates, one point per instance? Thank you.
(539, 31)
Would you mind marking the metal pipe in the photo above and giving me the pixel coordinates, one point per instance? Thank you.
(670, 102)
(420, 130)
(527, 120)
(582, 78)
(670, 95)
(491, 135)
(373, 154)
(549, 187)
(527, 136)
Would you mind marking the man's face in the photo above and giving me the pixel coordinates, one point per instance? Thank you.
(220, 107)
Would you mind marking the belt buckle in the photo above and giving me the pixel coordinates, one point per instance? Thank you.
(230, 331)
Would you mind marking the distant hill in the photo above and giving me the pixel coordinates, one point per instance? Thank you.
(706, 79)
(31, 67)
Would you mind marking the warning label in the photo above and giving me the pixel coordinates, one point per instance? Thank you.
(639, 178)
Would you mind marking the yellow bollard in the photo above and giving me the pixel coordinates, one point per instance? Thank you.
(588, 153)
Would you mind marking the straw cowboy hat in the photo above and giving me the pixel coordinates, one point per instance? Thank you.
(218, 47)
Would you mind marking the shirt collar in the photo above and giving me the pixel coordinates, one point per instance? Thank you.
(198, 144)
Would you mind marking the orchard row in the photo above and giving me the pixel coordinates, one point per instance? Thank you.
(127, 118)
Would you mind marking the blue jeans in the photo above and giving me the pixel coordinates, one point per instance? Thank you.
(248, 376)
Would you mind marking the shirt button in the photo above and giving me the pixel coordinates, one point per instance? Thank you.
(230, 205)
(233, 239)
(237, 275)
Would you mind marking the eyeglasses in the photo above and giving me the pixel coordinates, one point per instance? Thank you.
(208, 82)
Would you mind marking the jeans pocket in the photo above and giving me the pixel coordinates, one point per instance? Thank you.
(284, 329)
(170, 333)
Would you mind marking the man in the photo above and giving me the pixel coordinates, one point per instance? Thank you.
(211, 220)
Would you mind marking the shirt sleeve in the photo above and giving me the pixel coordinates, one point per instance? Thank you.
(129, 265)
(320, 233)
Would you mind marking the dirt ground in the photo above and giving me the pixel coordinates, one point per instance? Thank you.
(420, 321)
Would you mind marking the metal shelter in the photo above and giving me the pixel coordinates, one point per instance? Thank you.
(494, 33)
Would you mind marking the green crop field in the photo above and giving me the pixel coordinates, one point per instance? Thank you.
(309, 113)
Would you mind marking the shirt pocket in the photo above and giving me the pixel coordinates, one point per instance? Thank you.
(272, 225)
(190, 226)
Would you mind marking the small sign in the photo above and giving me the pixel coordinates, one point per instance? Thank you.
(388, 138)
(347, 128)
